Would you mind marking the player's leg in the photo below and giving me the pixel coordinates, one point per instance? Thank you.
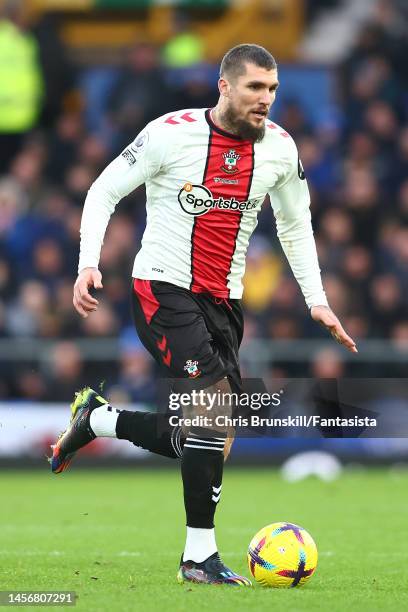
(170, 323)
(79, 432)
(202, 471)
(92, 416)
(227, 331)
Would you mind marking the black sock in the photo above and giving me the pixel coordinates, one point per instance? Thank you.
(151, 431)
(202, 466)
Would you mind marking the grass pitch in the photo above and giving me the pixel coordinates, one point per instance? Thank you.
(115, 537)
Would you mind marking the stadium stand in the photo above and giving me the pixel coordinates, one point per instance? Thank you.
(355, 155)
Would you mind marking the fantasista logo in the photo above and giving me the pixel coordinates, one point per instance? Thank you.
(198, 200)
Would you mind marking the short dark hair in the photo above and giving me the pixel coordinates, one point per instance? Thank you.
(233, 62)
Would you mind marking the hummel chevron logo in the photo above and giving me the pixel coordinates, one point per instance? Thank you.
(272, 126)
(185, 117)
(217, 494)
(167, 358)
(161, 344)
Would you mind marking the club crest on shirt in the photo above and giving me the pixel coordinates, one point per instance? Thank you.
(191, 368)
(230, 162)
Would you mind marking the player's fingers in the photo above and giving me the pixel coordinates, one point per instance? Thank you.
(340, 336)
(86, 298)
(79, 308)
(88, 304)
(83, 295)
(87, 309)
(82, 305)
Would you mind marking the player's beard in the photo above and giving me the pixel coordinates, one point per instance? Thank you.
(241, 127)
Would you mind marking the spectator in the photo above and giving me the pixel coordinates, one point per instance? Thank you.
(65, 372)
(327, 363)
(139, 95)
(386, 304)
(21, 83)
(135, 382)
(185, 48)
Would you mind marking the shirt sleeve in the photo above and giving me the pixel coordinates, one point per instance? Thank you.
(142, 159)
(290, 200)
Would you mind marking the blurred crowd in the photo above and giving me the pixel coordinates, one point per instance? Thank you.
(356, 162)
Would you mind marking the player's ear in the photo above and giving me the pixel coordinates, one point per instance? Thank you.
(224, 87)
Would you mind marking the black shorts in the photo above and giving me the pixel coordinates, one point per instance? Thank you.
(190, 335)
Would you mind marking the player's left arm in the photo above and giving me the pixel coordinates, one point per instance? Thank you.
(290, 200)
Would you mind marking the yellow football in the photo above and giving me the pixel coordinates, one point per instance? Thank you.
(282, 555)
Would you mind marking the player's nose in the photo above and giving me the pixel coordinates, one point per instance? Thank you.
(266, 98)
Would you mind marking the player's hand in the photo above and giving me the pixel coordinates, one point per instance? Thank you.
(83, 301)
(327, 318)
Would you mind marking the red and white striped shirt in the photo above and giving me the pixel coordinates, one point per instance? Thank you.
(205, 188)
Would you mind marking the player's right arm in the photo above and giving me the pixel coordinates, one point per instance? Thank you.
(141, 160)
